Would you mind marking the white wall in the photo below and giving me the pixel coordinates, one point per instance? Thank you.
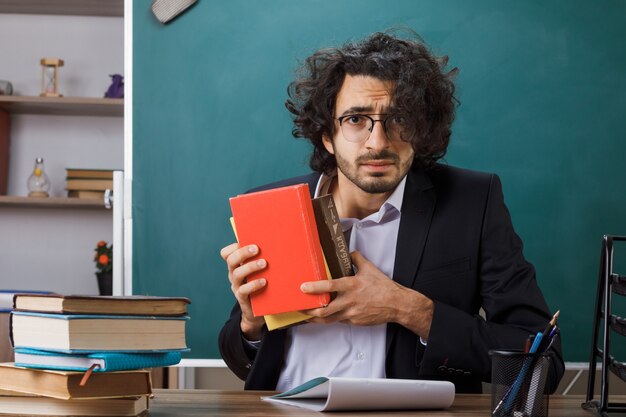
(52, 248)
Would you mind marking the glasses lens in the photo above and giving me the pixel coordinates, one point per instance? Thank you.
(356, 128)
(396, 128)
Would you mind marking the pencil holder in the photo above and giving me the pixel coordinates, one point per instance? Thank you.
(518, 384)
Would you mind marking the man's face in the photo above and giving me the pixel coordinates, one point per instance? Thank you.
(377, 164)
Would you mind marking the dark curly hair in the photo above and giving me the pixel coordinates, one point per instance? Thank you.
(423, 93)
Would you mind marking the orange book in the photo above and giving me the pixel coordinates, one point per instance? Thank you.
(282, 224)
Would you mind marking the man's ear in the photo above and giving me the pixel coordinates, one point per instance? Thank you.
(328, 144)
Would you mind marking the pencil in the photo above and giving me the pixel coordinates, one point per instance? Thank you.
(545, 341)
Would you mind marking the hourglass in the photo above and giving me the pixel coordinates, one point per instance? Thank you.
(50, 77)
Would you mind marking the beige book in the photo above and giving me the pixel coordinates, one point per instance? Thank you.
(70, 333)
(44, 406)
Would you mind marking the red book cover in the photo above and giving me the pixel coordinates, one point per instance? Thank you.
(282, 224)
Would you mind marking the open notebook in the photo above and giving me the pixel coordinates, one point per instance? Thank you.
(334, 394)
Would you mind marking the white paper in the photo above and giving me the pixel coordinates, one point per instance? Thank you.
(335, 393)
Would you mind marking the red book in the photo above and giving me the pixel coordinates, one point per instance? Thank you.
(282, 224)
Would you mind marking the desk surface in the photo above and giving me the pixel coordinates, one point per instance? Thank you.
(181, 403)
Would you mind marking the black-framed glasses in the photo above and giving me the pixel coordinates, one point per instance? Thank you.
(358, 127)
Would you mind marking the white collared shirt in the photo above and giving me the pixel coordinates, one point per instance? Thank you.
(340, 349)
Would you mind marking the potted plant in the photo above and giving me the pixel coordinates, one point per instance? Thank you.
(104, 265)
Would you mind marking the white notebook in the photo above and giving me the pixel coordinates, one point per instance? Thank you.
(335, 393)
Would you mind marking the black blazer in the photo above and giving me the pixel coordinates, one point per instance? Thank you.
(457, 246)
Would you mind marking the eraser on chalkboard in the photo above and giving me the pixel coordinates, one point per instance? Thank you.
(166, 10)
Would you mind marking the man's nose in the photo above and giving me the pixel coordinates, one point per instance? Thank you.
(378, 138)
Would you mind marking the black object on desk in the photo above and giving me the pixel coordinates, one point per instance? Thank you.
(609, 283)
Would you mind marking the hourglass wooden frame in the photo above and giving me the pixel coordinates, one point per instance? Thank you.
(53, 63)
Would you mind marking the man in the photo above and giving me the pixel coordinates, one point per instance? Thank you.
(378, 114)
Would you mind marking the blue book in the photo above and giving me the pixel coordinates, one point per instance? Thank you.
(78, 333)
(100, 361)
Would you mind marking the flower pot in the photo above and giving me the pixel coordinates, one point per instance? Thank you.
(105, 282)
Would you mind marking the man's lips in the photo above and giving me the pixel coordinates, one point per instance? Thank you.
(377, 163)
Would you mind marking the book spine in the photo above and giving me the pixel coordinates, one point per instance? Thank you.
(4, 151)
(315, 248)
(332, 239)
(88, 184)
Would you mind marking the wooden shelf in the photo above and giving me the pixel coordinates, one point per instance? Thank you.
(64, 7)
(51, 202)
(63, 106)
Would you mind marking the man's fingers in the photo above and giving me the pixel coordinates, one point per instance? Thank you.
(238, 256)
(316, 287)
(358, 260)
(325, 315)
(227, 250)
(335, 285)
(241, 272)
(249, 287)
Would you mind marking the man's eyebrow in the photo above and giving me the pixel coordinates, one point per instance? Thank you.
(356, 109)
(364, 110)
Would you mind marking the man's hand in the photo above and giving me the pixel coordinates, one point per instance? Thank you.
(370, 298)
(238, 271)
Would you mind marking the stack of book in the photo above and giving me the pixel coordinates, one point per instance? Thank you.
(6, 298)
(88, 183)
(87, 355)
(311, 246)
(6, 306)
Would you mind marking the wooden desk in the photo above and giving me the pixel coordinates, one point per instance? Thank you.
(208, 403)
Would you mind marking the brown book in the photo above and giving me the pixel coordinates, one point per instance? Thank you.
(334, 244)
(66, 385)
(137, 305)
(88, 184)
(92, 195)
(4, 150)
(7, 393)
(77, 332)
(74, 173)
(33, 405)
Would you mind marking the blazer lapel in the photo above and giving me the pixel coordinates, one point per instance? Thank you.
(418, 206)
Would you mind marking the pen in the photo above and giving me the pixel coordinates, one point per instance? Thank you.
(553, 335)
(548, 332)
(511, 393)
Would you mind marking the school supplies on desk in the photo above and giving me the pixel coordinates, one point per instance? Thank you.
(66, 384)
(6, 298)
(76, 332)
(335, 394)
(74, 354)
(14, 403)
(138, 305)
(98, 361)
(530, 381)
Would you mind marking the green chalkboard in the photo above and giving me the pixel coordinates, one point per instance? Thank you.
(542, 86)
